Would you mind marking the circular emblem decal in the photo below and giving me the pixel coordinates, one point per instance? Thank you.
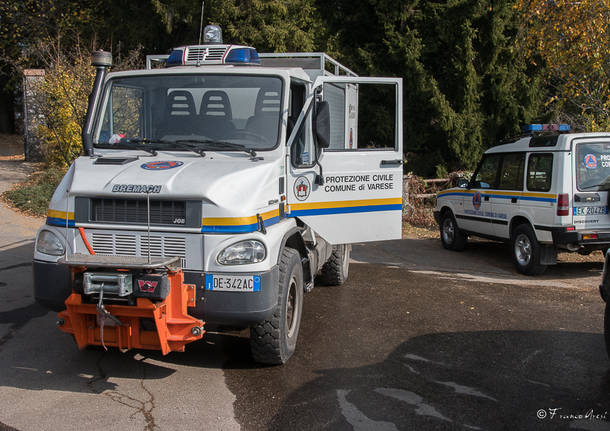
(161, 165)
(476, 201)
(590, 161)
(302, 188)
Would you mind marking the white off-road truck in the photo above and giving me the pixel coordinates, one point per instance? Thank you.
(215, 191)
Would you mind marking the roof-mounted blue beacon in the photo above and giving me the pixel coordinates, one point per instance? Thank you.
(213, 52)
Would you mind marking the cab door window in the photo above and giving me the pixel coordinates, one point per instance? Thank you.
(487, 174)
(511, 174)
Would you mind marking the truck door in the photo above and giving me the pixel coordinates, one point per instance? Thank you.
(352, 190)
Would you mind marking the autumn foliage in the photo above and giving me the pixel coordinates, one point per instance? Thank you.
(572, 39)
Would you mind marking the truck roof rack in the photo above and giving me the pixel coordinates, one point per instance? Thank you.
(314, 63)
(308, 61)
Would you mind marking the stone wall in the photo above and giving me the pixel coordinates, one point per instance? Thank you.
(32, 115)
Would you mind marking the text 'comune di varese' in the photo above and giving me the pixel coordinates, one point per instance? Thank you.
(352, 183)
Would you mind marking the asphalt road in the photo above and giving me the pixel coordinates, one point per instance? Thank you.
(418, 338)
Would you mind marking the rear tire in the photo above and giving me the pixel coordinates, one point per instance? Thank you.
(526, 251)
(336, 269)
(273, 341)
(452, 236)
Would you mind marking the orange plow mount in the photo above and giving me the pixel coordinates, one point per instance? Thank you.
(125, 330)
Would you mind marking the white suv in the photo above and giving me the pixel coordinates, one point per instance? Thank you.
(541, 193)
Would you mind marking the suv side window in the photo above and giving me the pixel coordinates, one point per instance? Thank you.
(487, 173)
(511, 175)
(540, 172)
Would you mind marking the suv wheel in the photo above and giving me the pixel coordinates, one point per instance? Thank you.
(452, 236)
(526, 251)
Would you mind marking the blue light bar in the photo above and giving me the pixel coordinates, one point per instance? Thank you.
(547, 128)
(242, 56)
(175, 58)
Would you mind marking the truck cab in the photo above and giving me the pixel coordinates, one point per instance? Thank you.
(245, 169)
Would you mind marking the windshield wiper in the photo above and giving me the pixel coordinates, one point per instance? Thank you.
(179, 143)
(218, 145)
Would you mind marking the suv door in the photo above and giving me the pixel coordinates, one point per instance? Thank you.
(505, 203)
(350, 191)
(477, 210)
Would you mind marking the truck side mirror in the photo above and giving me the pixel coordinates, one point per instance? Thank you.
(322, 124)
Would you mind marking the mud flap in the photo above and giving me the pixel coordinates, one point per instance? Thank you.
(174, 326)
(548, 254)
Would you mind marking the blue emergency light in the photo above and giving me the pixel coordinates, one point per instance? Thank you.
(546, 128)
(201, 55)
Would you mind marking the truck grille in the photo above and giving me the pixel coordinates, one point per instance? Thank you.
(121, 244)
(133, 211)
(201, 54)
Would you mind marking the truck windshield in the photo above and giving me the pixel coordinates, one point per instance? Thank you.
(593, 166)
(215, 112)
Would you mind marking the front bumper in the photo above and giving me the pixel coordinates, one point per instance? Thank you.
(53, 285)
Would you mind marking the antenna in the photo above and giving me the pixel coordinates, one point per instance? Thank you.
(201, 22)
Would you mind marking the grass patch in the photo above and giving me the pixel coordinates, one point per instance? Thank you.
(33, 196)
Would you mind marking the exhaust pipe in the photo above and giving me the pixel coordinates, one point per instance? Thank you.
(102, 60)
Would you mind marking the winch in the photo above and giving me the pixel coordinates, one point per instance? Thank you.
(129, 303)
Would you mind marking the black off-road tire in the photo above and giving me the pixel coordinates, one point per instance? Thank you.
(336, 269)
(274, 341)
(526, 251)
(452, 237)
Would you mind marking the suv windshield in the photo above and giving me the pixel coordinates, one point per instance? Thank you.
(593, 166)
(215, 112)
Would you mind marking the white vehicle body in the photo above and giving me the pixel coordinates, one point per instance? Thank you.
(556, 185)
(130, 201)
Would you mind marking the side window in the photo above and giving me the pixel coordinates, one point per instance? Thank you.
(539, 172)
(511, 174)
(485, 177)
(302, 152)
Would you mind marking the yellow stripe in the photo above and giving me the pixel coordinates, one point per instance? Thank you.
(341, 204)
(237, 221)
(60, 214)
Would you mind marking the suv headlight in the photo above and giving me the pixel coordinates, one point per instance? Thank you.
(243, 252)
(49, 243)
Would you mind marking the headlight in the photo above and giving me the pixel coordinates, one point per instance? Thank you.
(49, 243)
(243, 252)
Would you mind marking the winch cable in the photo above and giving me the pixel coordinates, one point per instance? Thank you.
(84, 238)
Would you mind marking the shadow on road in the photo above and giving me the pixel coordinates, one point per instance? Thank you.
(464, 380)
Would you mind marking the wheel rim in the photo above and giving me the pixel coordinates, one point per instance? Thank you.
(448, 231)
(523, 249)
(291, 308)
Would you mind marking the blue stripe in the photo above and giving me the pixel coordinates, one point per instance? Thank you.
(240, 228)
(530, 198)
(345, 210)
(61, 222)
(483, 194)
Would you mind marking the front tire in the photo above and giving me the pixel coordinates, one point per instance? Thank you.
(452, 236)
(274, 341)
(526, 251)
(336, 269)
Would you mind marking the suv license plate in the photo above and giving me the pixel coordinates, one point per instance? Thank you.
(590, 211)
(233, 283)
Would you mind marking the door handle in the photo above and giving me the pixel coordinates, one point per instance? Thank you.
(486, 198)
(514, 200)
(391, 162)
